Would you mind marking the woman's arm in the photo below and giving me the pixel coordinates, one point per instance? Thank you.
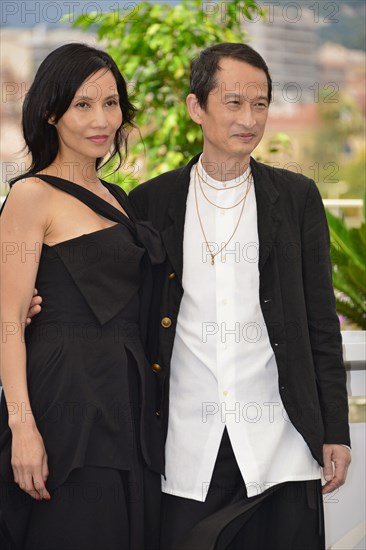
(24, 222)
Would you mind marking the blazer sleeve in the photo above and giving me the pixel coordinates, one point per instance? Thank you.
(323, 322)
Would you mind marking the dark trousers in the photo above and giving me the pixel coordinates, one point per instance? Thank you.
(289, 517)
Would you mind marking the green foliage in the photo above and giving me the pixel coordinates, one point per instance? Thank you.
(153, 48)
(277, 146)
(349, 268)
(341, 119)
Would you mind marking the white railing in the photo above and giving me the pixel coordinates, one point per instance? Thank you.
(345, 509)
(343, 203)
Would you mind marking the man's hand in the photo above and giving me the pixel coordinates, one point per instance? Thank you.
(34, 307)
(336, 458)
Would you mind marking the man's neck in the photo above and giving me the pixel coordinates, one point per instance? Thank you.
(225, 169)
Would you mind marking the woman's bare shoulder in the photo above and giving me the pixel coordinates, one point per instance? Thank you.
(30, 190)
(31, 184)
(28, 198)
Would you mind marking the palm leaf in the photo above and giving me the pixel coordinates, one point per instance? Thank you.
(348, 268)
(343, 240)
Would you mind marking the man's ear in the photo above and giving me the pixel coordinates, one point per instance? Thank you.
(194, 108)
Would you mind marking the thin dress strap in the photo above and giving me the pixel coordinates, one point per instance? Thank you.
(100, 206)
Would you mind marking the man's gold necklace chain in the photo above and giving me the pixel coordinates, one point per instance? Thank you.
(243, 200)
(224, 188)
(217, 205)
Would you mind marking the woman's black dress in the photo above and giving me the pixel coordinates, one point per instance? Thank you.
(91, 389)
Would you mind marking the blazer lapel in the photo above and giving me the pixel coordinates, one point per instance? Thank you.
(268, 218)
(173, 235)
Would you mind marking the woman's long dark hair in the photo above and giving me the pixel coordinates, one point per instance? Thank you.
(55, 84)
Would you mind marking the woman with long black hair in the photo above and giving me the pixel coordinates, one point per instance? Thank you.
(80, 443)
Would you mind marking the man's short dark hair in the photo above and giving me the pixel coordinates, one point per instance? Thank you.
(204, 68)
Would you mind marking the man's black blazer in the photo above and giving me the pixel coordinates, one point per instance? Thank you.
(295, 292)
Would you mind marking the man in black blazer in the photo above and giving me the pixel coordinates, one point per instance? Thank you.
(251, 240)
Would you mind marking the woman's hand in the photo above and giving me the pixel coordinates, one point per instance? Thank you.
(29, 461)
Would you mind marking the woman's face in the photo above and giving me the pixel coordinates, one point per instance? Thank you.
(87, 129)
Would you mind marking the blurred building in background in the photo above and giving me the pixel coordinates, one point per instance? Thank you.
(345, 67)
(304, 71)
(21, 53)
(289, 42)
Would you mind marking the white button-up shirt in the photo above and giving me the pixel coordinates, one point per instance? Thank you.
(223, 369)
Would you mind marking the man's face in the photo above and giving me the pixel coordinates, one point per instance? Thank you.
(235, 116)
